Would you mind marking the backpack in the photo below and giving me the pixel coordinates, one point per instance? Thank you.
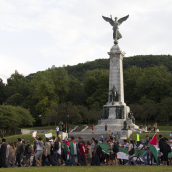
(52, 150)
(56, 146)
(30, 149)
(131, 152)
(115, 148)
(99, 150)
(21, 150)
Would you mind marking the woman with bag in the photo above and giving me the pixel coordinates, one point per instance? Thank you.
(131, 152)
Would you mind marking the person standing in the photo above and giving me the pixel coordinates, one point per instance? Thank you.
(7, 151)
(73, 151)
(106, 129)
(59, 150)
(3, 148)
(131, 152)
(146, 147)
(163, 149)
(19, 151)
(57, 131)
(93, 129)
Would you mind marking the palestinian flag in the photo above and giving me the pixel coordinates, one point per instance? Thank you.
(67, 152)
(154, 147)
(73, 150)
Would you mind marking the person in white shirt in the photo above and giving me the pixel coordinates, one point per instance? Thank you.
(57, 131)
(171, 136)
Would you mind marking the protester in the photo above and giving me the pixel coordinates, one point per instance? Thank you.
(66, 151)
(7, 151)
(11, 157)
(163, 149)
(146, 147)
(38, 155)
(112, 153)
(89, 154)
(34, 148)
(73, 152)
(131, 152)
(96, 160)
(28, 150)
(3, 154)
(82, 159)
(59, 150)
(19, 151)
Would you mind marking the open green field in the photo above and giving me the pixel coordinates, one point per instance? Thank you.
(93, 169)
(29, 136)
(143, 135)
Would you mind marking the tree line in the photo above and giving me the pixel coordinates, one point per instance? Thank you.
(82, 92)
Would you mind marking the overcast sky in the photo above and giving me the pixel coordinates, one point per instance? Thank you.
(36, 34)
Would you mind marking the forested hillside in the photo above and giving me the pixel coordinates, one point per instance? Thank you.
(143, 61)
(82, 90)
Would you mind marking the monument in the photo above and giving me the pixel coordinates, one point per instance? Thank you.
(116, 114)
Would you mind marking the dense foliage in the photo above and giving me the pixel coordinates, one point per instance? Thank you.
(82, 90)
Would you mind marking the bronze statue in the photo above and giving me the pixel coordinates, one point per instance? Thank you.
(114, 96)
(116, 34)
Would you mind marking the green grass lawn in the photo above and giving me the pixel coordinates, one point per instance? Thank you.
(24, 136)
(143, 135)
(93, 169)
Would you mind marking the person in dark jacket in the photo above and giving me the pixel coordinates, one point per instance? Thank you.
(163, 149)
(3, 148)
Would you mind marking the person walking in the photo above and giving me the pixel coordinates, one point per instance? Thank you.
(57, 131)
(19, 151)
(96, 160)
(146, 147)
(38, 155)
(28, 150)
(131, 152)
(112, 153)
(66, 151)
(89, 154)
(82, 159)
(73, 151)
(3, 148)
(163, 149)
(11, 157)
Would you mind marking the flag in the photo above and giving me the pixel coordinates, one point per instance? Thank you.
(67, 151)
(73, 149)
(138, 137)
(154, 147)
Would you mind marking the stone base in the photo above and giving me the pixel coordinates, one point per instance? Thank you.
(125, 134)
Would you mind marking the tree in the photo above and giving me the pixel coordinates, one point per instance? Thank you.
(155, 83)
(2, 92)
(12, 117)
(96, 87)
(130, 78)
(165, 109)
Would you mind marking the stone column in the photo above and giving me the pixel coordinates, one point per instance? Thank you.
(116, 72)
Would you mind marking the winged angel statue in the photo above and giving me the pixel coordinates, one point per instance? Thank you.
(116, 34)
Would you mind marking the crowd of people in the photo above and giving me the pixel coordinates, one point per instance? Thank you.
(54, 152)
